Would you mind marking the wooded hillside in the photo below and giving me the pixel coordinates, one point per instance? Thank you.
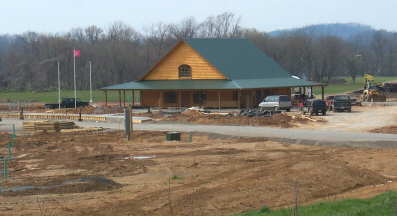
(119, 53)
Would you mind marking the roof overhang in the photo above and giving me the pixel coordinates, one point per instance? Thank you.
(212, 84)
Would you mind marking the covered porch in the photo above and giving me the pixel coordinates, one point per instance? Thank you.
(187, 93)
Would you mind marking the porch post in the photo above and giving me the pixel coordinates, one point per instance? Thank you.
(311, 91)
(132, 98)
(239, 98)
(191, 98)
(219, 101)
(160, 99)
(106, 98)
(179, 99)
(322, 92)
(124, 98)
(119, 98)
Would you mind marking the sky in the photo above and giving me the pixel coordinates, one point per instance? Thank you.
(59, 16)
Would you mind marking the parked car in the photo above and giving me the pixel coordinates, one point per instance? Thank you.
(342, 103)
(315, 106)
(67, 103)
(276, 103)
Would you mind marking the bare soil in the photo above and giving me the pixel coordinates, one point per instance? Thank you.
(361, 119)
(210, 175)
(283, 120)
(387, 130)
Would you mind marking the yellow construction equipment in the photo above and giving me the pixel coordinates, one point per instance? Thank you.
(372, 92)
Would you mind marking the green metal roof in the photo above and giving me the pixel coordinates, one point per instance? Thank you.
(210, 84)
(174, 84)
(238, 58)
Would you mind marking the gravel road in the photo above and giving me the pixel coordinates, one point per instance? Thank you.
(295, 135)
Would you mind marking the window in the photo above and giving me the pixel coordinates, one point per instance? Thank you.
(170, 97)
(284, 98)
(185, 71)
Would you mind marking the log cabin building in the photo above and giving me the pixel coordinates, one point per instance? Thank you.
(218, 73)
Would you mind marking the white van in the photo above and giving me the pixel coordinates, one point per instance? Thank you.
(276, 102)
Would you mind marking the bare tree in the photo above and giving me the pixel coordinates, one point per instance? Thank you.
(225, 25)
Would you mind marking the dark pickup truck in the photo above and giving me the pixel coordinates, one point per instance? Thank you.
(67, 103)
(342, 103)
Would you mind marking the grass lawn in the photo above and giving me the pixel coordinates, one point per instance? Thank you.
(52, 96)
(349, 85)
(382, 205)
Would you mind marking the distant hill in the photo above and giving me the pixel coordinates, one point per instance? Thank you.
(345, 31)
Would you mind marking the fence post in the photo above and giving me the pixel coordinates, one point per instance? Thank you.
(127, 122)
(21, 114)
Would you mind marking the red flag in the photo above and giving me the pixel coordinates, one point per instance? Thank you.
(76, 53)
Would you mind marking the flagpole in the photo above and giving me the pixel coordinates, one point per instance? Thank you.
(59, 87)
(90, 82)
(74, 78)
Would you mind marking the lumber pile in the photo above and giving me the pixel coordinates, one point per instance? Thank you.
(77, 130)
(47, 126)
(66, 125)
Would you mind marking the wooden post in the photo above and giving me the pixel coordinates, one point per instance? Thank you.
(124, 98)
(106, 98)
(322, 92)
(132, 121)
(219, 101)
(180, 99)
(239, 98)
(311, 91)
(191, 98)
(127, 122)
(133, 98)
(161, 99)
(120, 98)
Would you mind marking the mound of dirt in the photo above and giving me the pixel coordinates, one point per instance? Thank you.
(277, 120)
(387, 130)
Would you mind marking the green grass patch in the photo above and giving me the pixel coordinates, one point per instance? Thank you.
(349, 85)
(175, 177)
(52, 96)
(382, 205)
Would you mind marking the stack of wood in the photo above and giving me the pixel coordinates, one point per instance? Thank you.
(29, 125)
(66, 125)
(47, 126)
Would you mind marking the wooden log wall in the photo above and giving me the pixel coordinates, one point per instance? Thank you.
(167, 68)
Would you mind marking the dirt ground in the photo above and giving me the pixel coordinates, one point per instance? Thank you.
(209, 175)
(283, 120)
(361, 119)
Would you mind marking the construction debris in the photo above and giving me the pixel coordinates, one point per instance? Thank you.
(284, 120)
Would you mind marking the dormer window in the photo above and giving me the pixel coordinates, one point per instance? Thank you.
(185, 71)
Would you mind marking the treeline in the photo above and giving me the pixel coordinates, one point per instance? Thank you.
(119, 53)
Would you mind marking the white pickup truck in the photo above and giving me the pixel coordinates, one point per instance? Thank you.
(276, 103)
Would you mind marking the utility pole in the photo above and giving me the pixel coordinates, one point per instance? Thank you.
(74, 78)
(59, 87)
(90, 81)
